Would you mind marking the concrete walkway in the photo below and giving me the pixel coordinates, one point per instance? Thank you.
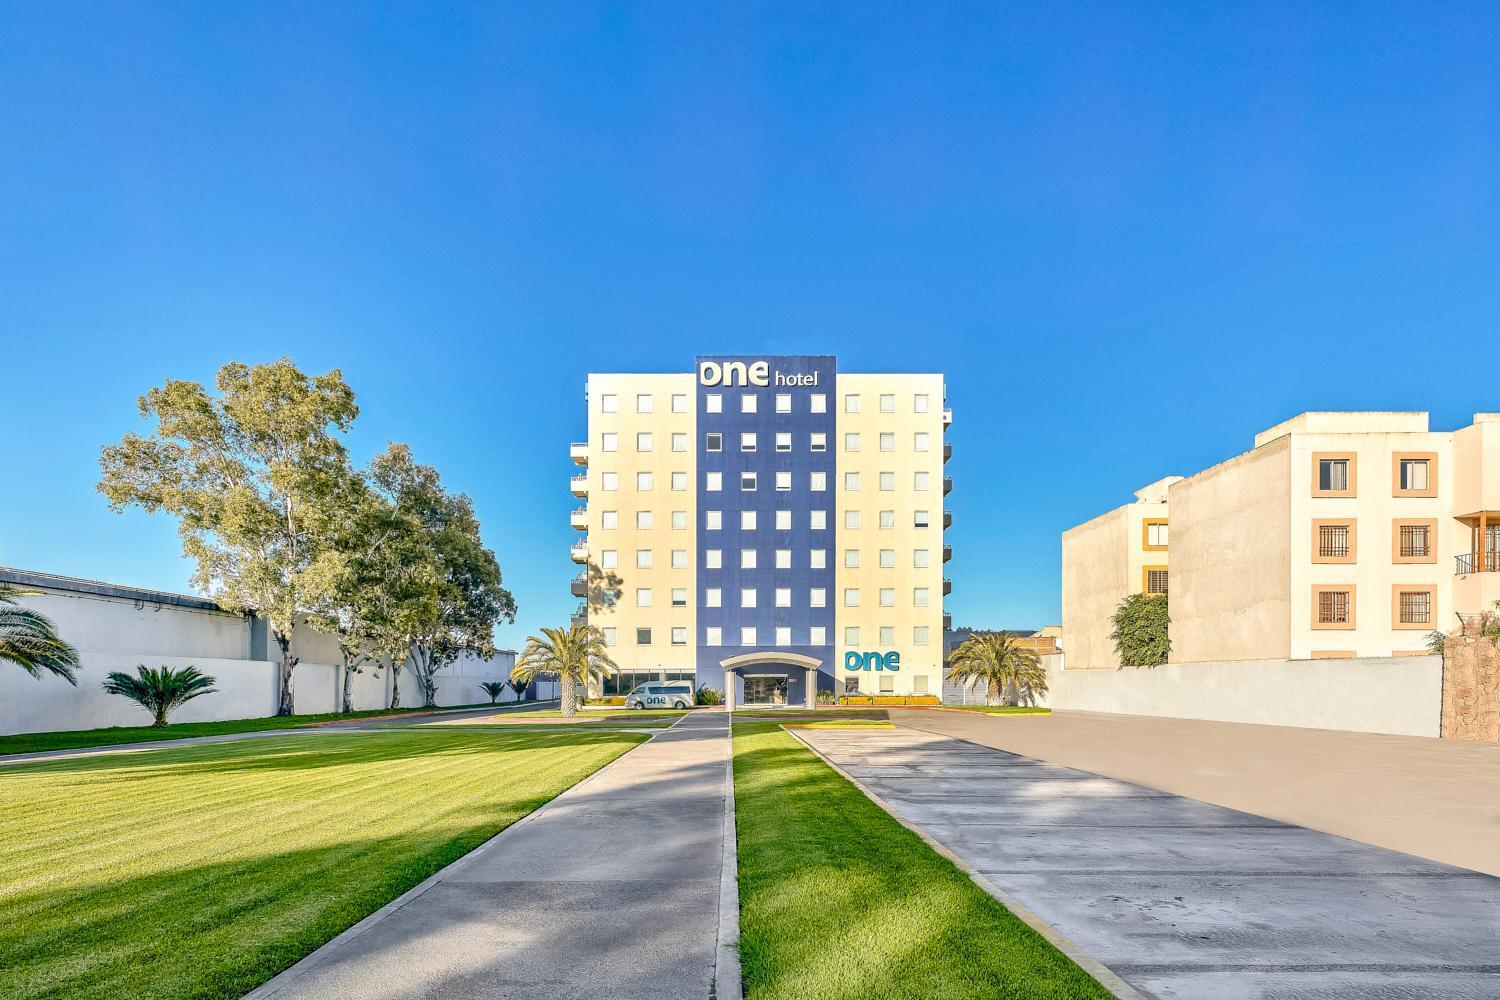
(1182, 899)
(1433, 798)
(611, 890)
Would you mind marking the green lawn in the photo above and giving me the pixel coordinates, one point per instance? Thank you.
(202, 871)
(838, 900)
(36, 742)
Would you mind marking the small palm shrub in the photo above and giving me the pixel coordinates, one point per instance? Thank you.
(160, 691)
(494, 689)
(709, 696)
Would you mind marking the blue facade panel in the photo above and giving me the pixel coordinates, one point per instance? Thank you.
(800, 377)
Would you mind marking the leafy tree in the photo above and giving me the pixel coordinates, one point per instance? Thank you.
(1142, 630)
(494, 689)
(1008, 670)
(160, 691)
(30, 640)
(256, 478)
(573, 655)
(444, 593)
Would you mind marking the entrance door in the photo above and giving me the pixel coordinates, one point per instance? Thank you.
(765, 690)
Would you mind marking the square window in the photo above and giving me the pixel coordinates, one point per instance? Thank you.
(611, 635)
(919, 558)
(887, 481)
(919, 597)
(679, 559)
(887, 519)
(1414, 607)
(713, 482)
(851, 597)
(643, 441)
(713, 558)
(1157, 580)
(783, 402)
(679, 402)
(679, 597)
(919, 635)
(679, 442)
(887, 558)
(609, 559)
(851, 558)
(713, 635)
(887, 684)
(747, 482)
(919, 684)
(887, 597)
(887, 441)
(1334, 475)
(784, 482)
(609, 403)
(818, 635)
(643, 403)
(851, 481)
(748, 402)
(1156, 534)
(851, 519)
(747, 441)
(817, 520)
(747, 597)
(1334, 541)
(713, 403)
(783, 597)
(643, 597)
(783, 440)
(713, 597)
(1414, 541)
(747, 558)
(609, 441)
(817, 597)
(851, 635)
(851, 684)
(783, 558)
(921, 441)
(851, 442)
(609, 520)
(919, 403)
(609, 481)
(643, 637)
(642, 558)
(851, 403)
(922, 481)
(679, 636)
(887, 403)
(643, 520)
(1335, 607)
(747, 635)
(713, 520)
(783, 635)
(783, 520)
(817, 403)
(679, 480)
(1413, 474)
(817, 441)
(747, 520)
(919, 519)
(817, 558)
(818, 482)
(643, 481)
(679, 520)
(713, 441)
(887, 635)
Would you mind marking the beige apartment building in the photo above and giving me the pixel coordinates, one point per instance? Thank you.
(1336, 535)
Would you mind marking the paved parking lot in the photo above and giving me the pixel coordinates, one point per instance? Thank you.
(1181, 898)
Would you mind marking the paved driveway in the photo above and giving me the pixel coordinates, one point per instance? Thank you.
(1181, 898)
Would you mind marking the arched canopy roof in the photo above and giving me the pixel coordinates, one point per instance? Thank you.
(771, 660)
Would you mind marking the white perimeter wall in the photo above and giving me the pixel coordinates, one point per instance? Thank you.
(1399, 695)
(114, 634)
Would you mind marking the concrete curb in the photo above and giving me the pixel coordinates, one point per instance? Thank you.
(286, 978)
(1101, 972)
(727, 982)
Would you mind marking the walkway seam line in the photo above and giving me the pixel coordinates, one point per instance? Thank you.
(727, 982)
(1086, 961)
(287, 977)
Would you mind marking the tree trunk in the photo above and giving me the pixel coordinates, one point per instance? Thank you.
(1012, 696)
(395, 683)
(284, 701)
(569, 696)
(161, 718)
(992, 693)
(348, 686)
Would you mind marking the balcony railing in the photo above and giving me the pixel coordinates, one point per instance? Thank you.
(1477, 562)
(947, 553)
(947, 450)
(947, 416)
(947, 485)
(580, 452)
(947, 586)
(579, 552)
(580, 585)
(947, 519)
(580, 486)
(579, 518)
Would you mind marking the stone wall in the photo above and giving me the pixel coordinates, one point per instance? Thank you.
(1471, 688)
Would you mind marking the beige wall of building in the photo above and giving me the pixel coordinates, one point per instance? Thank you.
(894, 453)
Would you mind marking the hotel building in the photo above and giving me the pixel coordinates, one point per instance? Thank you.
(769, 527)
(1337, 535)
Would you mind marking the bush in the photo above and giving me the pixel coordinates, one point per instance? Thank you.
(710, 696)
(827, 698)
(1141, 634)
(612, 700)
(889, 699)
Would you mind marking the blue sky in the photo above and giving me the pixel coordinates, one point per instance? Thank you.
(1131, 235)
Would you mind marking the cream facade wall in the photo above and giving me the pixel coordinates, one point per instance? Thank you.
(617, 580)
(888, 615)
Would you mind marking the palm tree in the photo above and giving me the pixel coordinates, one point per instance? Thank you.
(30, 641)
(1007, 669)
(494, 689)
(160, 691)
(575, 655)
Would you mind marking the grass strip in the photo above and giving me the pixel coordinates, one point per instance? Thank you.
(201, 871)
(838, 900)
